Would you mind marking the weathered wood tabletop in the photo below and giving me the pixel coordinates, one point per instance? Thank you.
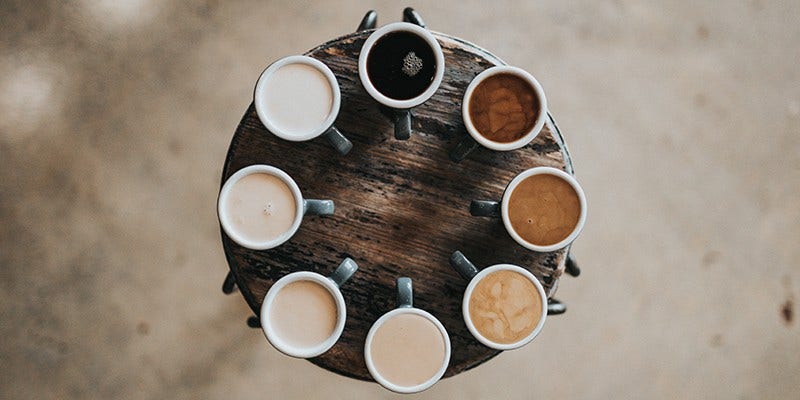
(402, 207)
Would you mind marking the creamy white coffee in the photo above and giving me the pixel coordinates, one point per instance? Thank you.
(303, 314)
(297, 99)
(260, 207)
(408, 350)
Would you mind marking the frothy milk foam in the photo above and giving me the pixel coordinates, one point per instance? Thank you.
(260, 207)
(505, 307)
(297, 98)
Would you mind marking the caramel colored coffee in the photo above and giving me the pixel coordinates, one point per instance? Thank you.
(261, 207)
(504, 107)
(408, 350)
(544, 209)
(303, 314)
(505, 307)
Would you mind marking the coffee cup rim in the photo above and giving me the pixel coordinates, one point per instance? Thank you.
(226, 224)
(318, 65)
(374, 92)
(576, 231)
(275, 339)
(525, 139)
(374, 371)
(468, 293)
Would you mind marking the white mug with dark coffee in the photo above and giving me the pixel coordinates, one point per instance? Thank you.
(543, 209)
(303, 313)
(297, 98)
(504, 108)
(401, 65)
(407, 349)
(260, 207)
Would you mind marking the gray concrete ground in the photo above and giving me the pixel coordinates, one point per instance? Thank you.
(683, 118)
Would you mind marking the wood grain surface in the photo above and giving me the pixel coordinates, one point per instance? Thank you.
(402, 207)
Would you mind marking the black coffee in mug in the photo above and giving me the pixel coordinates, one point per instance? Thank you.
(401, 65)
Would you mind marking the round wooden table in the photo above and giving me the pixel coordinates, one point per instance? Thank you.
(402, 207)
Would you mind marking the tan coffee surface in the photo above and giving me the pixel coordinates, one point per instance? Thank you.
(260, 207)
(503, 107)
(505, 307)
(408, 350)
(544, 209)
(303, 314)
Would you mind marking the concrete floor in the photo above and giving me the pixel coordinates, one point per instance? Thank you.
(683, 119)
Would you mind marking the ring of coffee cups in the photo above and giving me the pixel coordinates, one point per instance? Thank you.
(524, 101)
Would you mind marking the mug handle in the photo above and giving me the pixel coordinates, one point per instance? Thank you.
(344, 271)
(341, 143)
(463, 148)
(412, 16)
(369, 21)
(484, 208)
(405, 293)
(463, 266)
(402, 124)
(318, 207)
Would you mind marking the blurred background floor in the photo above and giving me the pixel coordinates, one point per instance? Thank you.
(683, 119)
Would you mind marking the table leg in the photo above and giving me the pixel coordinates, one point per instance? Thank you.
(571, 266)
(253, 322)
(229, 285)
(556, 307)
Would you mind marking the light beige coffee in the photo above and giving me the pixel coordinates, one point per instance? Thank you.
(303, 314)
(505, 307)
(408, 350)
(260, 207)
(544, 209)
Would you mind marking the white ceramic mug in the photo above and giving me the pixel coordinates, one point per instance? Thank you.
(401, 108)
(326, 128)
(405, 305)
(468, 271)
(475, 138)
(302, 207)
(332, 283)
(484, 208)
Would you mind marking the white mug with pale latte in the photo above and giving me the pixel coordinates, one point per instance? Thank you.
(260, 207)
(504, 305)
(297, 98)
(407, 349)
(303, 313)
